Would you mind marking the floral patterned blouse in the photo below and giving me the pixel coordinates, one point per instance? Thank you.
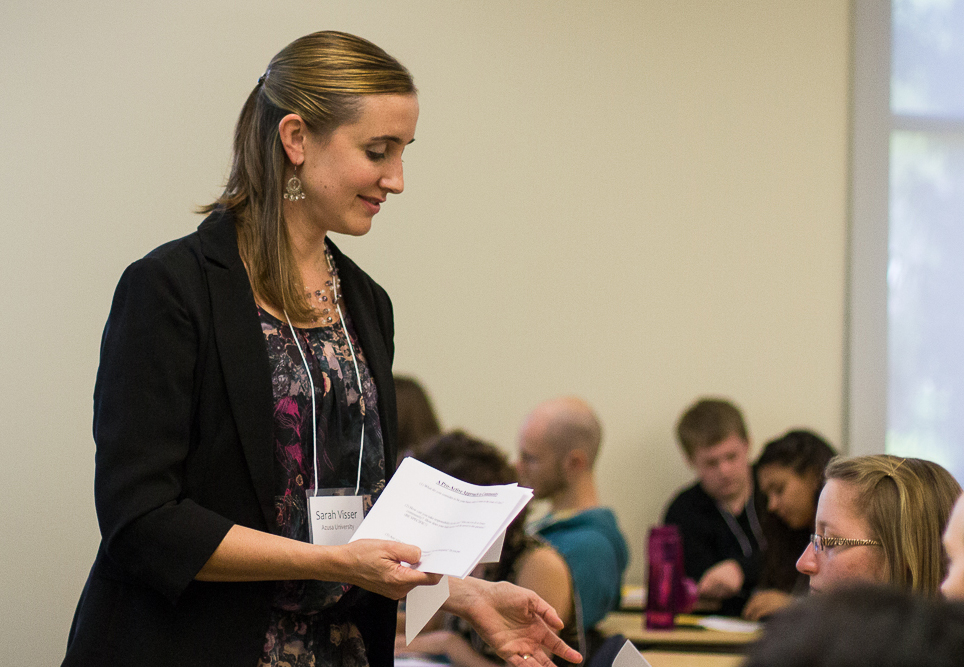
(312, 622)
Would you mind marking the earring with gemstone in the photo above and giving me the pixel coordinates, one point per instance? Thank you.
(293, 189)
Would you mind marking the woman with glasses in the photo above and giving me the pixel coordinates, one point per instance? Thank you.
(880, 520)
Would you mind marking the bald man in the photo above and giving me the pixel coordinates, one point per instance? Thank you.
(558, 445)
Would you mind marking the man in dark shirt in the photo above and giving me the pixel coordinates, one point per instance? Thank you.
(718, 516)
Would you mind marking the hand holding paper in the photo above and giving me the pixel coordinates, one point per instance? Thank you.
(454, 523)
(375, 566)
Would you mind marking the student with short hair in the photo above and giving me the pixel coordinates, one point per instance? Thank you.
(559, 443)
(719, 516)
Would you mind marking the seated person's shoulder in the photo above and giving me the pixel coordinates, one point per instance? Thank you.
(542, 563)
(588, 534)
(543, 570)
(583, 524)
(541, 555)
(687, 501)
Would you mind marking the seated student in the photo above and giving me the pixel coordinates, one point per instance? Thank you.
(879, 626)
(880, 520)
(953, 585)
(526, 561)
(789, 473)
(719, 515)
(417, 423)
(558, 446)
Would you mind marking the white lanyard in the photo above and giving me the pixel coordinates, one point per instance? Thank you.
(311, 384)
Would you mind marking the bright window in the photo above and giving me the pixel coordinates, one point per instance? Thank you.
(923, 281)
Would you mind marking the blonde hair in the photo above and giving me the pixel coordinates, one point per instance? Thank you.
(321, 77)
(906, 503)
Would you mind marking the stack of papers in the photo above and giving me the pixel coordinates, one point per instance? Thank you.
(456, 525)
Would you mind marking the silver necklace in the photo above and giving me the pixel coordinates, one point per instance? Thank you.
(327, 297)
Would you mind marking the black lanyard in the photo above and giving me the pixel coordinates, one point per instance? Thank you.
(738, 531)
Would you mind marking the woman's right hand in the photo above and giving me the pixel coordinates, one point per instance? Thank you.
(377, 566)
(246, 554)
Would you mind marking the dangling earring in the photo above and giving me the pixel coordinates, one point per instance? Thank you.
(293, 188)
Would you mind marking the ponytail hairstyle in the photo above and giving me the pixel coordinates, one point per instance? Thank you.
(906, 503)
(321, 77)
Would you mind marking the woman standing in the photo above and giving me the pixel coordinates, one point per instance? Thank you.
(245, 378)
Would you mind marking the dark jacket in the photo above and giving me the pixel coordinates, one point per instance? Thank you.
(708, 540)
(183, 427)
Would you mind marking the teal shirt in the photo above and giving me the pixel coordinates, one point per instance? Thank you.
(596, 553)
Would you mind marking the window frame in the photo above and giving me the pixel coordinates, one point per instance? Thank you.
(867, 374)
(866, 369)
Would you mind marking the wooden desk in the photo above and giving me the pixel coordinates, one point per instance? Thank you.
(677, 659)
(630, 625)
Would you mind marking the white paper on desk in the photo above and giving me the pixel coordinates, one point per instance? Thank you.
(421, 603)
(726, 624)
(629, 656)
(454, 523)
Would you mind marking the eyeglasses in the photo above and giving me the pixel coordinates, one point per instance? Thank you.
(820, 542)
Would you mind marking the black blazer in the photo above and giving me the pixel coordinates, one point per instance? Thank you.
(183, 428)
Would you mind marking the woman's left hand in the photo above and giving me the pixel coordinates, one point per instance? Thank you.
(514, 621)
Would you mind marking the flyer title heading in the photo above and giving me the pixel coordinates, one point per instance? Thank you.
(486, 494)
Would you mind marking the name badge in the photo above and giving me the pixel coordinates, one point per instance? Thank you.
(333, 519)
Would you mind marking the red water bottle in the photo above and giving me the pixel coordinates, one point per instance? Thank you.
(665, 576)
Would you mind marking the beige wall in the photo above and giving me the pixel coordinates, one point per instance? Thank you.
(638, 202)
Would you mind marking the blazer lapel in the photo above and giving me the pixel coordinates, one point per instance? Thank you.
(244, 357)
